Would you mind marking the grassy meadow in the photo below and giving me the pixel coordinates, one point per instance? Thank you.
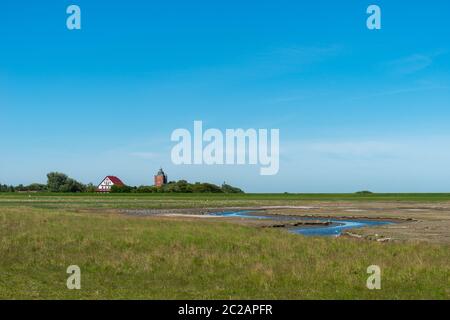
(127, 257)
(198, 200)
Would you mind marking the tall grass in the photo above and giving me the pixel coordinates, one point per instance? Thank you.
(127, 257)
(139, 200)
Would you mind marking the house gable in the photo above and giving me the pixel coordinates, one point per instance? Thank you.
(108, 182)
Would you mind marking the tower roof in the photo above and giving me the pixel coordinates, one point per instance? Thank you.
(160, 172)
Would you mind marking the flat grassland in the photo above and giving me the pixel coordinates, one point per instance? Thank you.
(172, 200)
(155, 257)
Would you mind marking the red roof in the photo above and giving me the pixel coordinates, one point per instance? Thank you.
(115, 180)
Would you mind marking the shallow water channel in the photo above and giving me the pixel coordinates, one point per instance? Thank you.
(335, 227)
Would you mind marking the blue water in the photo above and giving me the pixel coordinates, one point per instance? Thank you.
(241, 214)
(334, 229)
(337, 226)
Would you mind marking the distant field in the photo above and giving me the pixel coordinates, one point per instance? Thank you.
(123, 257)
(137, 200)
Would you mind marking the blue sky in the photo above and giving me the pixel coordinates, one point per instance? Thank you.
(357, 109)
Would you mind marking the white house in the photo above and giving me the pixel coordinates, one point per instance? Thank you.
(108, 182)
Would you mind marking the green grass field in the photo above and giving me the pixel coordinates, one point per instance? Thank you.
(125, 257)
(167, 200)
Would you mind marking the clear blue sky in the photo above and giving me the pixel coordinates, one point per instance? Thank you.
(356, 109)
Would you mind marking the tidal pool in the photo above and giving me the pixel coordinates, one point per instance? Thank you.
(335, 227)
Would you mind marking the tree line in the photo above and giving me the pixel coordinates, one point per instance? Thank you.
(56, 182)
(60, 182)
(181, 186)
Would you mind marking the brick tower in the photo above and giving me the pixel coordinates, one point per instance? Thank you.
(160, 178)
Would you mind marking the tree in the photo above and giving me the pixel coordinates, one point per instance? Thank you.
(55, 181)
(5, 188)
(36, 187)
(226, 188)
(121, 189)
(90, 188)
(206, 188)
(146, 189)
(72, 185)
(181, 186)
(60, 182)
